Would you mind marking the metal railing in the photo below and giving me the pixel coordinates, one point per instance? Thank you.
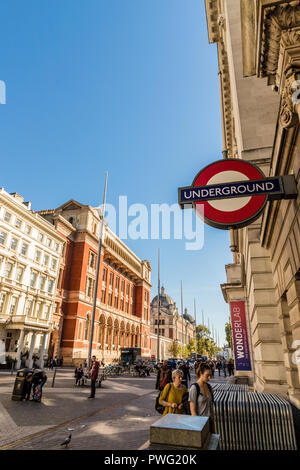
(251, 420)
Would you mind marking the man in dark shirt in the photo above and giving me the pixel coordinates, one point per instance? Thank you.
(94, 370)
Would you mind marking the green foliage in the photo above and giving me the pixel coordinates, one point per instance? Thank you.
(190, 348)
(205, 344)
(175, 349)
(228, 333)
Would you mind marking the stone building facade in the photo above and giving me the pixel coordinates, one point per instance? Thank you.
(123, 297)
(258, 43)
(172, 327)
(30, 250)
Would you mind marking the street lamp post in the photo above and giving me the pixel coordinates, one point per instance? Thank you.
(97, 275)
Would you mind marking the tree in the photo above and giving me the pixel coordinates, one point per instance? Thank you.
(228, 333)
(175, 349)
(190, 348)
(205, 344)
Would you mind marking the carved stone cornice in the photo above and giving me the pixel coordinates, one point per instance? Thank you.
(212, 17)
(288, 115)
(279, 26)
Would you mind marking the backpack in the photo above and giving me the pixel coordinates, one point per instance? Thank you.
(185, 399)
(37, 394)
(160, 408)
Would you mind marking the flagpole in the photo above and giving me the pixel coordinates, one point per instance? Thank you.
(195, 314)
(182, 320)
(97, 272)
(158, 306)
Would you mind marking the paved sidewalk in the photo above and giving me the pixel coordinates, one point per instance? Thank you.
(62, 404)
(118, 418)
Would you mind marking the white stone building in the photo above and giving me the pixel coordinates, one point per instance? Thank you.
(258, 45)
(30, 250)
(172, 327)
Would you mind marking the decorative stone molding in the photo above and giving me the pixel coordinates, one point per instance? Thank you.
(279, 29)
(212, 15)
(287, 114)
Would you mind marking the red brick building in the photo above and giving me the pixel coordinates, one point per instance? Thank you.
(123, 297)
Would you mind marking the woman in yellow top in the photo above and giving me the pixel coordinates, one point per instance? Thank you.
(173, 393)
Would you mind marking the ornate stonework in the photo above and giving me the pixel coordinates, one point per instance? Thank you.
(279, 58)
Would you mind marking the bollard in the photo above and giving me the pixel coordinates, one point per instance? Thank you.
(12, 368)
(53, 380)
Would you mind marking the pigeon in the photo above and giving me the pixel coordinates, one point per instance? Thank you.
(67, 441)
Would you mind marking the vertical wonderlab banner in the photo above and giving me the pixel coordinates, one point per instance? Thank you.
(240, 336)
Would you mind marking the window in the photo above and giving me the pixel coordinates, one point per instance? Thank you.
(18, 223)
(33, 279)
(122, 304)
(48, 242)
(56, 246)
(37, 256)
(19, 274)
(103, 293)
(24, 249)
(109, 298)
(2, 302)
(8, 270)
(38, 311)
(14, 243)
(50, 285)
(13, 305)
(46, 260)
(28, 230)
(122, 286)
(104, 274)
(111, 279)
(53, 263)
(127, 289)
(46, 312)
(40, 237)
(89, 287)
(42, 282)
(7, 216)
(92, 260)
(2, 238)
(28, 308)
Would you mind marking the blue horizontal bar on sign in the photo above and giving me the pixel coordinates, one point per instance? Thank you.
(271, 186)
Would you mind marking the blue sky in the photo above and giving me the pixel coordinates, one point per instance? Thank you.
(124, 86)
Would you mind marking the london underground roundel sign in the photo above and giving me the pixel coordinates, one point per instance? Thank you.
(232, 193)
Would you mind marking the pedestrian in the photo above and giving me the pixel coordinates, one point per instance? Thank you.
(201, 396)
(79, 375)
(185, 371)
(219, 366)
(224, 367)
(171, 397)
(27, 387)
(85, 363)
(38, 381)
(164, 376)
(212, 367)
(230, 367)
(188, 374)
(94, 370)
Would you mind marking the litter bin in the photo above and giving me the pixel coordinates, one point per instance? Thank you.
(19, 384)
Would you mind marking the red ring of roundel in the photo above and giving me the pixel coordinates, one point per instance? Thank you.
(253, 206)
